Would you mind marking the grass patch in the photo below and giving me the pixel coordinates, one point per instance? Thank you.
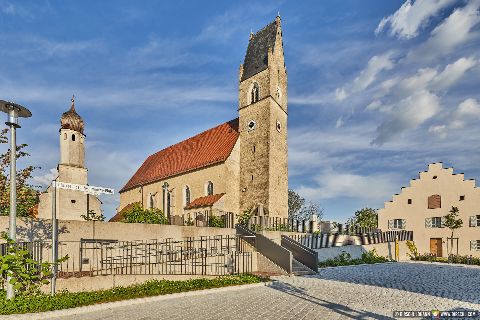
(64, 300)
(345, 259)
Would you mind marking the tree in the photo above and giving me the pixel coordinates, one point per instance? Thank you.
(310, 209)
(364, 218)
(452, 223)
(137, 214)
(93, 216)
(27, 195)
(295, 203)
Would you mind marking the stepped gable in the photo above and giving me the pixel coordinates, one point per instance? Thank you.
(207, 148)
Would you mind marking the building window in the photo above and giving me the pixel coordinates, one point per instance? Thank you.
(434, 177)
(210, 188)
(462, 198)
(64, 136)
(73, 201)
(409, 201)
(478, 220)
(254, 94)
(437, 222)
(253, 149)
(187, 195)
(434, 202)
(73, 137)
(475, 245)
(252, 177)
(398, 223)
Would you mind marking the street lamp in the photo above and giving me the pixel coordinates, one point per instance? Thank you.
(14, 111)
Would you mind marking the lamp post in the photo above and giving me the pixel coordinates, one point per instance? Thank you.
(14, 111)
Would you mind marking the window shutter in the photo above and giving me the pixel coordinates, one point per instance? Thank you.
(404, 223)
(473, 245)
(473, 221)
(390, 224)
(428, 222)
(442, 222)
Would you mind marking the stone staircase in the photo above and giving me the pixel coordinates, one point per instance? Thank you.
(299, 269)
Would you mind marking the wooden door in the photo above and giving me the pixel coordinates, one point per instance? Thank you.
(436, 246)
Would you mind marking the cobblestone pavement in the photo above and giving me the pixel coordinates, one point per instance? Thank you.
(358, 292)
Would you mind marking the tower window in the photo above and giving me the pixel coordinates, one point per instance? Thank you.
(409, 201)
(279, 126)
(254, 94)
(73, 137)
(187, 195)
(462, 198)
(252, 177)
(64, 136)
(210, 188)
(251, 125)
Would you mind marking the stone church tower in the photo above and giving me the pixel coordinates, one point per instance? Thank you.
(262, 106)
(71, 204)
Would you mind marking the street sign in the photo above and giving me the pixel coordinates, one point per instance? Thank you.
(83, 188)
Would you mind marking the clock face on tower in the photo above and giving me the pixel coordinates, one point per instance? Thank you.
(251, 125)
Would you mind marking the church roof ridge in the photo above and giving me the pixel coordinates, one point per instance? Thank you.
(206, 148)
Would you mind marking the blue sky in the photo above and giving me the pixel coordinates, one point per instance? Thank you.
(377, 89)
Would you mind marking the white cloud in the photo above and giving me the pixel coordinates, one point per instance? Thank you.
(375, 65)
(468, 108)
(418, 81)
(411, 16)
(407, 114)
(46, 179)
(375, 187)
(339, 122)
(340, 94)
(454, 72)
(439, 130)
(367, 76)
(451, 33)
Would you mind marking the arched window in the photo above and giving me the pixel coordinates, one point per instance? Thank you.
(73, 137)
(254, 93)
(210, 188)
(187, 195)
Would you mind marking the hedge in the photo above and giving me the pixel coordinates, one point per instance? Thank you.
(64, 300)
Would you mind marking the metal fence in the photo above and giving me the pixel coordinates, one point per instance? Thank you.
(327, 240)
(268, 223)
(219, 255)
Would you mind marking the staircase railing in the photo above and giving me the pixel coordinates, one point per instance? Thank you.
(273, 251)
(301, 253)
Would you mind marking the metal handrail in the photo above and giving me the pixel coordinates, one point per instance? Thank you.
(303, 254)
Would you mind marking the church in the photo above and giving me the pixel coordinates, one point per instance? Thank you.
(70, 204)
(238, 165)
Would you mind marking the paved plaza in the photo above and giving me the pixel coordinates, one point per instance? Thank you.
(357, 292)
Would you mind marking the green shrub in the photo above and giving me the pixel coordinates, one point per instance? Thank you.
(216, 222)
(137, 214)
(63, 300)
(26, 274)
(453, 258)
(345, 259)
(413, 254)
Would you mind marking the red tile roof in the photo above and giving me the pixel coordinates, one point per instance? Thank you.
(206, 201)
(119, 216)
(207, 148)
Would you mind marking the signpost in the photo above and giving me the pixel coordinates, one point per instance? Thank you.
(67, 186)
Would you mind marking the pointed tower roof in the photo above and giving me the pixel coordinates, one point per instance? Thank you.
(71, 120)
(256, 59)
